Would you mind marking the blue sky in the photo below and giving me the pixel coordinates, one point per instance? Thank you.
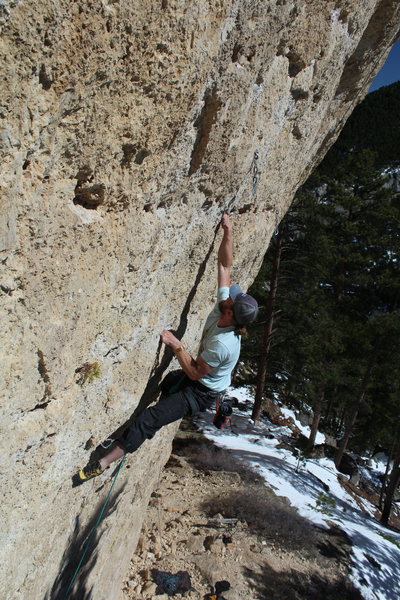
(390, 71)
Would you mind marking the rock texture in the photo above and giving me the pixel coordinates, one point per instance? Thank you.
(127, 128)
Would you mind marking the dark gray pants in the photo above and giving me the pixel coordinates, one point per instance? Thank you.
(191, 399)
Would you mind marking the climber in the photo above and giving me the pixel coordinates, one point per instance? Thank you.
(202, 379)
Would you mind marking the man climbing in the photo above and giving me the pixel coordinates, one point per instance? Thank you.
(204, 378)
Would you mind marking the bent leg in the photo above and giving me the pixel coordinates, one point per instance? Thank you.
(187, 401)
(167, 410)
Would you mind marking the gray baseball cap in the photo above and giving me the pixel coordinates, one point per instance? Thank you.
(245, 307)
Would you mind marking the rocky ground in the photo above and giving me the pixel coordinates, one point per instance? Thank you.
(218, 522)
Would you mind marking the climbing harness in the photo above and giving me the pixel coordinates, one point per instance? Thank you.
(89, 539)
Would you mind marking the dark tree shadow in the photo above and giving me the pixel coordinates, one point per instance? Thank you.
(335, 544)
(82, 542)
(295, 585)
(267, 516)
(204, 455)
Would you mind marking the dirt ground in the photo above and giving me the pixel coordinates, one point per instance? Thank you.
(218, 522)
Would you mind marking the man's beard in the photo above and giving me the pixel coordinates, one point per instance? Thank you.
(223, 306)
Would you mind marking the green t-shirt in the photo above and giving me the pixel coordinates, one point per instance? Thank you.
(219, 348)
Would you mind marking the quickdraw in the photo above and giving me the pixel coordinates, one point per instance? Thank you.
(256, 172)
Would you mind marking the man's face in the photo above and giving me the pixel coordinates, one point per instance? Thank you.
(226, 318)
(225, 305)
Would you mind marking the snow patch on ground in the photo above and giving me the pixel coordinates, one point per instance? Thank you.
(313, 488)
(320, 438)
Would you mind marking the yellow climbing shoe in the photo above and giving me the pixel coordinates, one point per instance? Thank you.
(91, 470)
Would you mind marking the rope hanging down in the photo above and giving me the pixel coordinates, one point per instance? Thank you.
(89, 539)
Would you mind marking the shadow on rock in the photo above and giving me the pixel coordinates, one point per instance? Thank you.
(81, 546)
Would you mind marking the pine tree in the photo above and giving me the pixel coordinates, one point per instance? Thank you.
(269, 322)
(392, 485)
(339, 275)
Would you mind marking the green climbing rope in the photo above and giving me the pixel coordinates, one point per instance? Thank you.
(89, 539)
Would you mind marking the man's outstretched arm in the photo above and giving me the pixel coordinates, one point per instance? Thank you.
(225, 253)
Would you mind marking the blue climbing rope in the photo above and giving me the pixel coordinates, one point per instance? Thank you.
(89, 539)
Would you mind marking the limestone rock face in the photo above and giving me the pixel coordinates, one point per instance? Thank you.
(127, 128)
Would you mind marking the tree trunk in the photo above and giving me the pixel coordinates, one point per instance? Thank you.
(392, 485)
(384, 479)
(389, 460)
(269, 318)
(354, 412)
(316, 419)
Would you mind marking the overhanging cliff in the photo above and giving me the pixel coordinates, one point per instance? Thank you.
(127, 128)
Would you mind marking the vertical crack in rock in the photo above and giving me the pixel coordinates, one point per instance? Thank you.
(158, 371)
(184, 315)
(44, 374)
(160, 366)
(203, 124)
